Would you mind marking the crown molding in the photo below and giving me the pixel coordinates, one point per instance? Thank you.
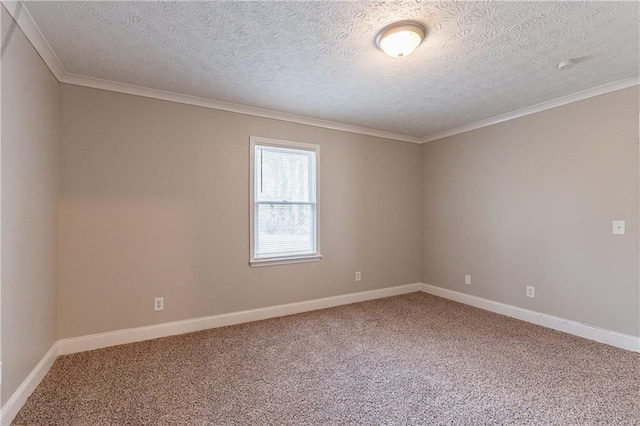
(130, 89)
(28, 26)
(21, 15)
(542, 106)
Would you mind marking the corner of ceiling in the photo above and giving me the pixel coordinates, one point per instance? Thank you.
(96, 83)
(26, 23)
(24, 20)
(542, 106)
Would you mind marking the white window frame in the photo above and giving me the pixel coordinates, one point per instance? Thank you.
(278, 260)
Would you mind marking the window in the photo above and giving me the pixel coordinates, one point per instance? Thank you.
(285, 202)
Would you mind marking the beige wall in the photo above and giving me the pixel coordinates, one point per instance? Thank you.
(154, 202)
(530, 202)
(30, 102)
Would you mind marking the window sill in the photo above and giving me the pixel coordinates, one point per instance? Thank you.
(284, 260)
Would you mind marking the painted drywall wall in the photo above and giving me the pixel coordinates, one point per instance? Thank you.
(30, 105)
(154, 201)
(531, 202)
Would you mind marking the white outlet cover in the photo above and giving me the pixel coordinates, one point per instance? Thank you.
(531, 292)
(158, 304)
(467, 279)
(619, 227)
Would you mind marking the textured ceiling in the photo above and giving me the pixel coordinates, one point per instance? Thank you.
(319, 59)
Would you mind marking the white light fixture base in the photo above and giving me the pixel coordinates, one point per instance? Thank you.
(401, 38)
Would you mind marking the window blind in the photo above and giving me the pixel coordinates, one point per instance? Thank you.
(284, 202)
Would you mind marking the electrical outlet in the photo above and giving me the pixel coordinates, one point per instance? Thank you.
(531, 292)
(158, 304)
(467, 279)
(358, 276)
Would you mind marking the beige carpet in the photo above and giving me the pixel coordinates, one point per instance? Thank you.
(413, 359)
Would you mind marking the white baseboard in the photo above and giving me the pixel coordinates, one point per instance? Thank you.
(613, 338)
(20, 396)
(97, 341)
(119, 337)
(102, 340)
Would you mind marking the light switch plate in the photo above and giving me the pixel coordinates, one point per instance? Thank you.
(619, 227)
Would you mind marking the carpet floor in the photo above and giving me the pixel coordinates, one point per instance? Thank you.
(412, 359)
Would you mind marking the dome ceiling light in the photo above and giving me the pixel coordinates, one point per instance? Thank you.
(400, 39)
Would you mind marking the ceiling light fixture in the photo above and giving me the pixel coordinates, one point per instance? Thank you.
(400, 39)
